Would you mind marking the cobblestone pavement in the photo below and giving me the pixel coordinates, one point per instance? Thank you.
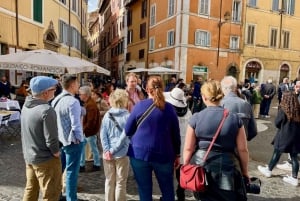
(91, 184)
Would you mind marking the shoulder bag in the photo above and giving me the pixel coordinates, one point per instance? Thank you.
(192, 177)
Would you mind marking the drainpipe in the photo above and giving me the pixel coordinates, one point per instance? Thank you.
(70, 35)
(81, 29)
(219, 36)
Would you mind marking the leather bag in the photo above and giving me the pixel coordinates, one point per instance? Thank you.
(193, 177)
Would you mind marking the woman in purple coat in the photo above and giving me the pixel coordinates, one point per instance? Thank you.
(155, 142)
(287, 138)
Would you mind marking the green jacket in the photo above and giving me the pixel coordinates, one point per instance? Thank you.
(256, 97)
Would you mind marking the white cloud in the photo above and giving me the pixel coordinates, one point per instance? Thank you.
(92, 5)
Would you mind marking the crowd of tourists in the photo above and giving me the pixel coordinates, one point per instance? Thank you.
(151, 128)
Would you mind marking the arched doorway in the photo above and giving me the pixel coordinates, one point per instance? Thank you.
(284, 72)
(252, 71)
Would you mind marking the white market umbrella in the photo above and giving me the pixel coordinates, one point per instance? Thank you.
(162, 70)
(137, 70)
(47, 61)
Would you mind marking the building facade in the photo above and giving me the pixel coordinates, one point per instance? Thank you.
(199, 38)
(93, 36)
(57, 25)
(137, 34)
(271, 46)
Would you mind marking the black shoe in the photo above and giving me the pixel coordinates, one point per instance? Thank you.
(82, 169)
(180, 194)
(96, 168)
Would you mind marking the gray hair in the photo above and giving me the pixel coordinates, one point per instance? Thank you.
(86, 90)
(228, 84)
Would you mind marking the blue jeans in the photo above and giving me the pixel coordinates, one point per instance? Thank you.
(143, 176)
(92, 140)
(70, 159)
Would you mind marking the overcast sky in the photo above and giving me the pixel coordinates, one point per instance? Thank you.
(92, 5)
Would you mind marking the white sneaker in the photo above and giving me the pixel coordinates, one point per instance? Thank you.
(291, 180)
(285, 166)
(265, 170)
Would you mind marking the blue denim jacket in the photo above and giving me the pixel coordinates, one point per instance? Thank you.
(112, 139)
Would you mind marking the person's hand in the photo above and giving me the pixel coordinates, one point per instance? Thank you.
(177, 162)
(108, 155)
(57, 154)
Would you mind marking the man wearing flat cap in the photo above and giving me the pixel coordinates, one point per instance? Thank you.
(40, 142)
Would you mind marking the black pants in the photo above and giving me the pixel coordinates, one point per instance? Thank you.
(295, 164)
(179, 191)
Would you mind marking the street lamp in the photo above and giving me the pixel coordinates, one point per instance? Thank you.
(226, 19)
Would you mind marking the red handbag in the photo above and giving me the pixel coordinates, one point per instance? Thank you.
(193, 177)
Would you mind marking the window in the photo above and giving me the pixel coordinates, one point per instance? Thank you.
(74, 5)
(63, 1)
(289, 6)
(38, 11)
(128, 56)
(275, 5)
(204, 7)
(250, 34)
(144, 8)
(151, 43)
(152, 15)
(234, 42)
(273, 38)
(252, 3)
(129, 36)
(170, 38)
(143, 30)
(286, 39)
(129, 17)
(171, 7)
(236, 11)
(63, 32)
(141, 53)
(202, 38)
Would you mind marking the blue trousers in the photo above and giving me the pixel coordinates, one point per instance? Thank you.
(143, 175)
(70, 159)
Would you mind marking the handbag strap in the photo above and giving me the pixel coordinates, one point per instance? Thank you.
(225, 114)
(146, 113)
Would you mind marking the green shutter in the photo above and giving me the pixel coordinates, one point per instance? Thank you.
(38, 10)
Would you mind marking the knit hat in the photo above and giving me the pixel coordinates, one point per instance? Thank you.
(39, 84)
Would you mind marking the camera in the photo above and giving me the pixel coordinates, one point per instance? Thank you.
(252, 186)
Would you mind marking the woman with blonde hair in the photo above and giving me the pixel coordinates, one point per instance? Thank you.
(225, 181)
(155, 142)
(115, 145)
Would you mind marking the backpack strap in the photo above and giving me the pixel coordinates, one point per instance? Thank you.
(55, 104)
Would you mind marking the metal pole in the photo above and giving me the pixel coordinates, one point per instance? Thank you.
(219, 35)
(17, 25)
(280, 26)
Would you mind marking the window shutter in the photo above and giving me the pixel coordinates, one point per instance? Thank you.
(61, 28)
